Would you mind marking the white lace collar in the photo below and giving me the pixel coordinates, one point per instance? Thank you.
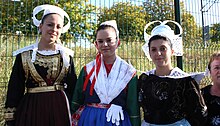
(178, 73)
(109, 87)
(58, 47)
(48, 52)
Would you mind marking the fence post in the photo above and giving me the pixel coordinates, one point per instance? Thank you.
(177, 19)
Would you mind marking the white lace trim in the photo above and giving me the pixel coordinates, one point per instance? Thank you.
(48, 52)
(178, 73)
(58, 47)
(109, 87)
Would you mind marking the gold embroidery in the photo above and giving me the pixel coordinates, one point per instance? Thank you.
(52, 63)
(45, 89)
(9, 114)
(63, 71)
(35, 74)
(10, 109)
(24, 57)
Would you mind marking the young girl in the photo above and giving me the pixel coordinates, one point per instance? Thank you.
(169, 96)
(106, 91)
(46, 71)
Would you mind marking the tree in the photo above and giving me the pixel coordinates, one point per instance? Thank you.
(164, 10)
(192, 33)
(159, 10)
(215, 33)
(82, 18)
(16, 16)
(130, 19)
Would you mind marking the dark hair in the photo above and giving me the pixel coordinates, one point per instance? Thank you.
(45, 16)
(156, 37)
(212, 58)
(103, 27)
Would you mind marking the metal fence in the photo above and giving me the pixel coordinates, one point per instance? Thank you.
(200, 20)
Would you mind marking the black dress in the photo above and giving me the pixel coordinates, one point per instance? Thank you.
(46, 108)
(213, 104)
(168, 100)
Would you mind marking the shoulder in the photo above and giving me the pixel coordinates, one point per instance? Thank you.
(177, 72)
(143, 76)
(146, 78)
(126, 65)
(206, 90)
(65, 50)
(150, 72)
(88, 67)
(68, 51)
(90, 64)
(25, 49)
(206, 94)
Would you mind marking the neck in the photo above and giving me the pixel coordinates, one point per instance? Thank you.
(46, 46)
(109, 60)
(163, 71)
(215, 90)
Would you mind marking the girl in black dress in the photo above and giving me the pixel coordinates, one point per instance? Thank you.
(43, 76)
(169, 96)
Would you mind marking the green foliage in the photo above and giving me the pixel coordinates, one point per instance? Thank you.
(215, 33)
(16, 16)
(191, 32)
(164, 11)
(130, 19)
(159, 10)
(82, 18)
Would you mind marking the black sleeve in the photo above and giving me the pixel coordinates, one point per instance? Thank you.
(15, 93)
(196, 108)
(10, 123)
(70, 80)
(16, 85)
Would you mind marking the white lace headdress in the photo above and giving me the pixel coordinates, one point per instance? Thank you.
(48, 9)
(113, 24)
(166, 31)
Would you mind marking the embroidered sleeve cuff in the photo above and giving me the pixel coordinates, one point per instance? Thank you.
(9, 114)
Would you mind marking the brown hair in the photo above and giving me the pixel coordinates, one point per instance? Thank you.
(45, 16)
(156, 37)
(103, 27)
(212, 58)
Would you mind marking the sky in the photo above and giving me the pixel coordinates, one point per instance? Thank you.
(109, 3)
(209, 8)
(211, 11)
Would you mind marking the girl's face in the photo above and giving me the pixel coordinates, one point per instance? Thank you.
(106, 42)
(215, 71)
(51, 28)
(160, 52)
